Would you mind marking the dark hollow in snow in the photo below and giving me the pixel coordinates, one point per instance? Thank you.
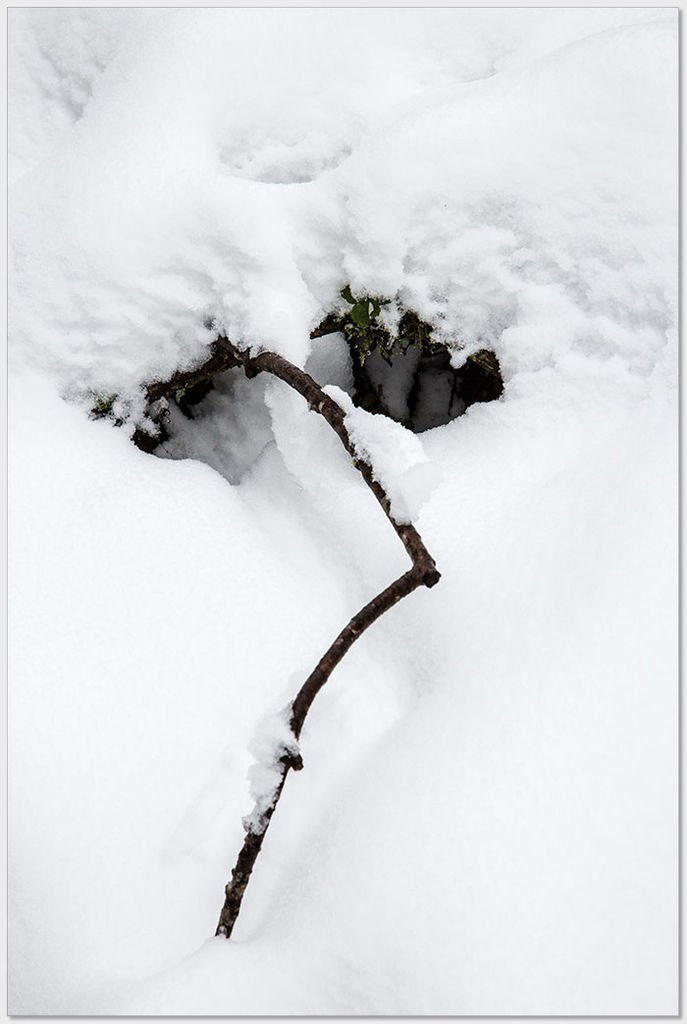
(410, 378)
(407, 377)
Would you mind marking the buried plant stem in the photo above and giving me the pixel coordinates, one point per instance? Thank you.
(422, 573)
(253, 840)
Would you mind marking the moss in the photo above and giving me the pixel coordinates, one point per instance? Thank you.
(103, 406)
(486, 361)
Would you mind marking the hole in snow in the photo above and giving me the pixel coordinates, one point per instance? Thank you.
(223, 422)
(222, 419)
(404, 373)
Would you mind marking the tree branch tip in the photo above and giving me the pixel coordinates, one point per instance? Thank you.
(431, 577)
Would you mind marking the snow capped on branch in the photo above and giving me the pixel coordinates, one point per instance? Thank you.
(397, 457)
(272, 740)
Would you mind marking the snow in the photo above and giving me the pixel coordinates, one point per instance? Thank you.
(136, 229)
(273, 739)
(397, 458)
(487, 818)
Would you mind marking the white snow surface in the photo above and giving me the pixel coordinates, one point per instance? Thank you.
(487, 817)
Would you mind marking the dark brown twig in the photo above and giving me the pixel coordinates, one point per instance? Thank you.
(422, 573)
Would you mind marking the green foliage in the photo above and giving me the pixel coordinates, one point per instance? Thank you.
(365, 310)
(366, 332)
(103, 406)
(362, 327)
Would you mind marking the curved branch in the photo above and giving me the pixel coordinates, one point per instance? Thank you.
(422, 573)
(320, 402)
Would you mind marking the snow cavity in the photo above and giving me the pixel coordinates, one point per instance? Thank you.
(228, 430)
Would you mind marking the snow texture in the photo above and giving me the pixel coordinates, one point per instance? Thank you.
(487, 819)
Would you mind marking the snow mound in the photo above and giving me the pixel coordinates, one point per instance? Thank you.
(206, 184)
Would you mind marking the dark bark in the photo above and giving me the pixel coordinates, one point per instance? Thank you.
(422, 573)
(223, 356)
(329, 325)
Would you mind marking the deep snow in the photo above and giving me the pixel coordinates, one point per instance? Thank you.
(487, 819)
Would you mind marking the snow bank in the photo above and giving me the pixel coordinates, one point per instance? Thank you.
(487, 818)
(231, 188)
(158, 619)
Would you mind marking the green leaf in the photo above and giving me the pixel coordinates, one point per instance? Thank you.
(360, 314)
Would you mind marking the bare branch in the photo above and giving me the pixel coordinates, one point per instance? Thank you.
(422, 573)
